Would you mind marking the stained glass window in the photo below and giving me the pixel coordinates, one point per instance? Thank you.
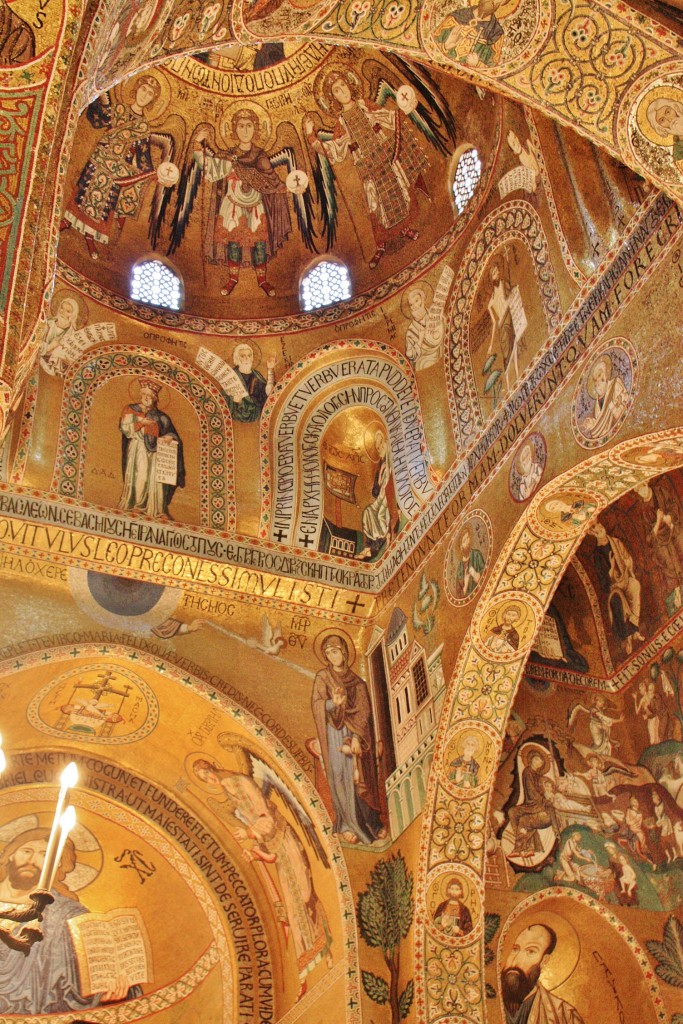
(324, 284)
(156, 284)
(467, 175)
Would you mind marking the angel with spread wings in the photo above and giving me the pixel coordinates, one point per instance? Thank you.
(384, 147)
(266, 836)
(112, 184)
(248, 218)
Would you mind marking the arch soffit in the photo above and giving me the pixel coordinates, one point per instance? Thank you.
(483, 687)
(514, 220)
(310, 384)
(96, 368)
(261, 737)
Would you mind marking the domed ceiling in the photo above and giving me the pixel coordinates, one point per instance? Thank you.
(272, 576)
(358, 169)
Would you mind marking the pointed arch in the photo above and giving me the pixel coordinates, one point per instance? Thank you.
(513, 220)
(334, 378)
(483, 688)
(215, 471)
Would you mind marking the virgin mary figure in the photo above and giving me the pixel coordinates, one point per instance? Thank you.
(343, 719)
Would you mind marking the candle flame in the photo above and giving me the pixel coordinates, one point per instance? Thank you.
(68, 820)
(69, 776)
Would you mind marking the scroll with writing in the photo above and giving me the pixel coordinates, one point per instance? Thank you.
(224, 374)
(166, 470)
(438, 303)
(547, 642)
(111, 949)
(75, 344)
(516, 307)
(518, 178)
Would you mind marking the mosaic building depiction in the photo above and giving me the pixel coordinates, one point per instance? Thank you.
(341, 512)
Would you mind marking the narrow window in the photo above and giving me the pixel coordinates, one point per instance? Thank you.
(467, 175)
(420, 681)
(155, 284)
(324, 284)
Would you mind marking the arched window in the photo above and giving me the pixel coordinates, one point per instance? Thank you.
(324, 284)
(154, 283)
(467, 175)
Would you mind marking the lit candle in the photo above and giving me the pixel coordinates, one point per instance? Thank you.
(68, 779)
(67, 822)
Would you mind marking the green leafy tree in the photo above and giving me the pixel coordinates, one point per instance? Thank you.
(491, 923)
(385, 914)
(669, 953)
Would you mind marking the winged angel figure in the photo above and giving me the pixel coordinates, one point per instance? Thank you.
(258, 808)
(383, 144)
(248, 217)
(112, 184)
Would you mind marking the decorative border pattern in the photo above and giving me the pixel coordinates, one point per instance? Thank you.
(516, 219)
(482, 690)
(218, 953)
(261, 735)
(216, 467)
(298, 397)
(150, 723)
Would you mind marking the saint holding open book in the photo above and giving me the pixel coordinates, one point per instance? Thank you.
(75, 966)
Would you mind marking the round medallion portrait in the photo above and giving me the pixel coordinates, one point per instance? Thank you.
(604, 395)
(468, 558)
(527, 468)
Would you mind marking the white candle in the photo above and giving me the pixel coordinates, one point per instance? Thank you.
(69, 778)
(67, 822)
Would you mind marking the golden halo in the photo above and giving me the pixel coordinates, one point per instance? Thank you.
(191, 761)
(265, 130)
(516, 605)
(57, 299)
(156, 110)
(609, 371)
(561, 963)
(653, 458)
(134, 389)
(254, 348)
(373, 428)
(134, 37)
(81, 836)
(643, 114)
(420, 286)
(529, 752)
(460, 742)
(454, 876)
(335, 70)
(333, 631)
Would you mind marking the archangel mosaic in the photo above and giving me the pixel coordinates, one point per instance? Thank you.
(341, 511)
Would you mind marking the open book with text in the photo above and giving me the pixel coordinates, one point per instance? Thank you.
(111, 948)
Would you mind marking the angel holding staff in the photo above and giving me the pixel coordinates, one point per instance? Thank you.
(248, 219)
(112, 184)
(384, 147)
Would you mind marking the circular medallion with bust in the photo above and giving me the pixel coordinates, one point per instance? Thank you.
(525, 998)
(46, 979)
